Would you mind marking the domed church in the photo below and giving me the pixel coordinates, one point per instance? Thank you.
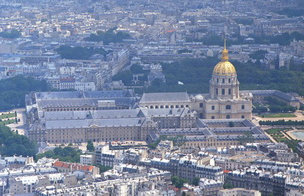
(224, 100)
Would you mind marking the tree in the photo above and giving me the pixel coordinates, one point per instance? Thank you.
(10, 34)
(103, 168)
(108, 36)
(228, 185)
(90, 146)
(14, 144)
(13, 91)
(196, 181)
(258, 55)
(178, 182)
(291, 12)
(69, 52)
(68, 154)
(136, 69)
(196, 73)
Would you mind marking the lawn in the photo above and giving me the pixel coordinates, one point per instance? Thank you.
(6, 122)
(278, 115)
(278, 135)
(7, 115)
(274, 131)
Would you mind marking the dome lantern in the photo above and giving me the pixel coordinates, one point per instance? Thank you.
(224, 67)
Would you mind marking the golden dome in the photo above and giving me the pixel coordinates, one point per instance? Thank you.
(224, 67)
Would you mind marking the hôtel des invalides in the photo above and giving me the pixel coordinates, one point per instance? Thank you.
(216, 119)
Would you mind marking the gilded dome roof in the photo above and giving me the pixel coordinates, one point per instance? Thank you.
(224, 67)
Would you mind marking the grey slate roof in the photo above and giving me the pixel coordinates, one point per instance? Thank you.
(87, 94)
(66, 103)
(277, 93)
(165, 112)
(87, 123)
(80, 102)
(92, 114)
(165, 97)
(58, 95)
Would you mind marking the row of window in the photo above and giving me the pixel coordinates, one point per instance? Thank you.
(168, 106)
(81, 109)
(223, 80)
(228, 107)
(53, 140)
(223, 91)
(213, 117)
(215, 143)
(70, 109)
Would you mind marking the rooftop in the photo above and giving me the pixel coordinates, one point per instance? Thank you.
(165, 97)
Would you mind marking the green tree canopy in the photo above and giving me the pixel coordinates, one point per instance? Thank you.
(10, 34)
(90, 146)
(14, 144)
(68, 154)
(69, 52)
(178, 182)
(196, 73)
(109, 36)
(13, 91)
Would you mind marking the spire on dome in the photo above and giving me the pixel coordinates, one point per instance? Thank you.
(225, 40)
(225, 56)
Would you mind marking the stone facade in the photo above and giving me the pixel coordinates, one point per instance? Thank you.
(252, 179)
(107, 125)
(224, 101)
